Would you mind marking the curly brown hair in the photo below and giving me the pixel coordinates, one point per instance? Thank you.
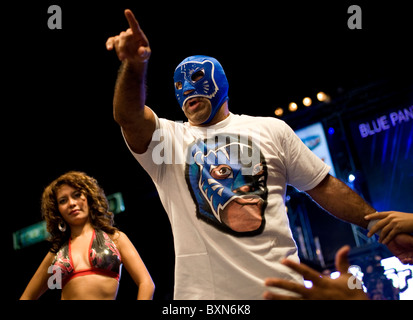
(99, 214)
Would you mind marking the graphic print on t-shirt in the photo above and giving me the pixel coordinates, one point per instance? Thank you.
(227, 177)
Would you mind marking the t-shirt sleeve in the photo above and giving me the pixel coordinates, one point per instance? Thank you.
(152, 164)
(304, 169)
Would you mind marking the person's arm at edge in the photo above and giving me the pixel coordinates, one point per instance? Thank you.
(135, 267)
(38, 284)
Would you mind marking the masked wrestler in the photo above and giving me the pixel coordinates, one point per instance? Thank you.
(226, 203)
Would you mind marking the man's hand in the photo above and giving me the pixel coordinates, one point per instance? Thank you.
(129, 110)
(130, 45)
(324, 288)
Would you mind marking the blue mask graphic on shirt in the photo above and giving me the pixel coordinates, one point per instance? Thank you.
(224, 182)
(206, 77)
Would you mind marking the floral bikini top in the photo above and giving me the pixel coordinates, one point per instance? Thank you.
(104, 259)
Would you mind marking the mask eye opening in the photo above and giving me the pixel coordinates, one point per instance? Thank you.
(196, 76)
(178, 85)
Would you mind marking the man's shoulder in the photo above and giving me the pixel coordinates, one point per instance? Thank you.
(261, 121)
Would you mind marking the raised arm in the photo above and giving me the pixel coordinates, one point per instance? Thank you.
(129, 110)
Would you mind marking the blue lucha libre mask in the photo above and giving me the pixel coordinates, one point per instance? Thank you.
(229, 190)
(206, 77)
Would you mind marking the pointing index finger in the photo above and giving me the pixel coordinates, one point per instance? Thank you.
(133, 23)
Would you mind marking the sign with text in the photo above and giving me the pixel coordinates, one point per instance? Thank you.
(383, 143)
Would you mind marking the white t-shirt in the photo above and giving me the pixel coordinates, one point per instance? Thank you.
(225, 201)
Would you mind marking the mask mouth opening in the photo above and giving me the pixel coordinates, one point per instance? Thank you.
(192, 100)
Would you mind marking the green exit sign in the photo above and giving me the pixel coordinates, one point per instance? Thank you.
(38, 232)
(116, 204)
(30, 235)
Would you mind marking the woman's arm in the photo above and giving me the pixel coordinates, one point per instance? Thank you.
(38, 284)
(135, 267)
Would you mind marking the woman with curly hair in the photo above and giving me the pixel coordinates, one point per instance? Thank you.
(87, 251)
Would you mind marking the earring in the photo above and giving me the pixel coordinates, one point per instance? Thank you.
(62, 226)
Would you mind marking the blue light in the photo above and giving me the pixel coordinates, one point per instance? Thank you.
(331, 131)
(351, 178)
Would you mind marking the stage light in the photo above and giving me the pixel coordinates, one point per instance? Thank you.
(307, 101)
(351, 178)
(292, 107)
(331, 131)
(322, 97)
(279, 112)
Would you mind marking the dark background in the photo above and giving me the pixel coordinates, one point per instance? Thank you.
(58, 90)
